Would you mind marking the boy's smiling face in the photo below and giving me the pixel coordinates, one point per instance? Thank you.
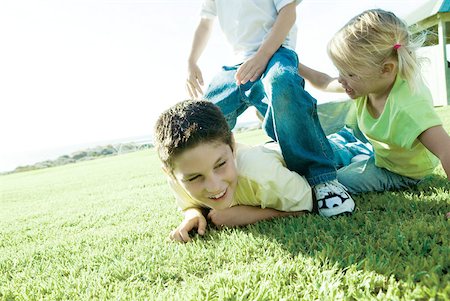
(208, 173)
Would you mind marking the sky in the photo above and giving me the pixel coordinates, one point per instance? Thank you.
(76, 73)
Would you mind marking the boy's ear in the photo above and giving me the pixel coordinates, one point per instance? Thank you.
(233, 144)
(166, 171)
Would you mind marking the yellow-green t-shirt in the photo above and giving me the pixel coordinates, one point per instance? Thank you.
(263, 180)
(394, 133)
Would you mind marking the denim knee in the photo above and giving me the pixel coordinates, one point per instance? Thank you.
(283, 90)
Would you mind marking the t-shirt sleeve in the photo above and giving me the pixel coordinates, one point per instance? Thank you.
(279, 4)
(414, 120)
(208, 9)
(279, 188)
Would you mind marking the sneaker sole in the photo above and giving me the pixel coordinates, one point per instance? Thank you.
(346, 208)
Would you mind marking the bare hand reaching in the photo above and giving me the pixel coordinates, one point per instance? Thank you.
(193, 219)
(194, 81)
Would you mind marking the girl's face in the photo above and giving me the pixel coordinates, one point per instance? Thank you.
(356, 86)
(378, 83)
(208, 173)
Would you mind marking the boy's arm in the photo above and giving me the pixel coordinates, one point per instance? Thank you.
(437, 141)
(201, 38)
(244, 215)
(252, 69)
(320, 80)
(193, 218)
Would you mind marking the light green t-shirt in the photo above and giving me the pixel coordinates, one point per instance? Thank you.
(394, 133)
(263, 180)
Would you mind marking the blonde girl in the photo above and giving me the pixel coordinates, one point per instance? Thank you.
(375, 55)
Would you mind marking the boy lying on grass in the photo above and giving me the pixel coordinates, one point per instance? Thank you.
(206, 169)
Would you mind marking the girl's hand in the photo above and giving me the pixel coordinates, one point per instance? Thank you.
(193, 219)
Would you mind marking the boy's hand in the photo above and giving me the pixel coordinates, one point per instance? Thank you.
(193, 219)
(194, 81)
(222, 217)
(252, 69)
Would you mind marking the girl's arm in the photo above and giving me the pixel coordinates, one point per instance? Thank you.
(244, 215)
(320, 80)
(437, 141)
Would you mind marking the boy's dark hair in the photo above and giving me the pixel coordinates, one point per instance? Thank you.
(186, 125)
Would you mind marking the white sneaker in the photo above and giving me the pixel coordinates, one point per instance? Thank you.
(333, 199)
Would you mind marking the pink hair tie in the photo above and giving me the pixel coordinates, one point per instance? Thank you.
(397, 46)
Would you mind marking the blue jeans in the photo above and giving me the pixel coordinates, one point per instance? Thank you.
(290, 113)
(364, 176)
(357, 170)
(347, 148)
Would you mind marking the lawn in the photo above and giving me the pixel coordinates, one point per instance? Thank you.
(97, 230)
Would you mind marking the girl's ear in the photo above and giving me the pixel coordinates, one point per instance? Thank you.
(389, 68)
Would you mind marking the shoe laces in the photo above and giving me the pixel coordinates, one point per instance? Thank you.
(336, 187)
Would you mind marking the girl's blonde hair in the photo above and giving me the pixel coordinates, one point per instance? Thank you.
(364, 44)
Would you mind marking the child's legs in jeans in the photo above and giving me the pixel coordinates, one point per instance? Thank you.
(291, 119)
(347, 148)
(231, 98)
(365, 176)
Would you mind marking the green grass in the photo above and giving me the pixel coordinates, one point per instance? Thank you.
(97, 230)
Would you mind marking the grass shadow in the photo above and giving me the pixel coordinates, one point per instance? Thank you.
(404, 234)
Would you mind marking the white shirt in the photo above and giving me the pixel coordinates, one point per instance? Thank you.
(246, 23)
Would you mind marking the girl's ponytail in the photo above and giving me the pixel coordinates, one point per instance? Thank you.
(409, 65)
